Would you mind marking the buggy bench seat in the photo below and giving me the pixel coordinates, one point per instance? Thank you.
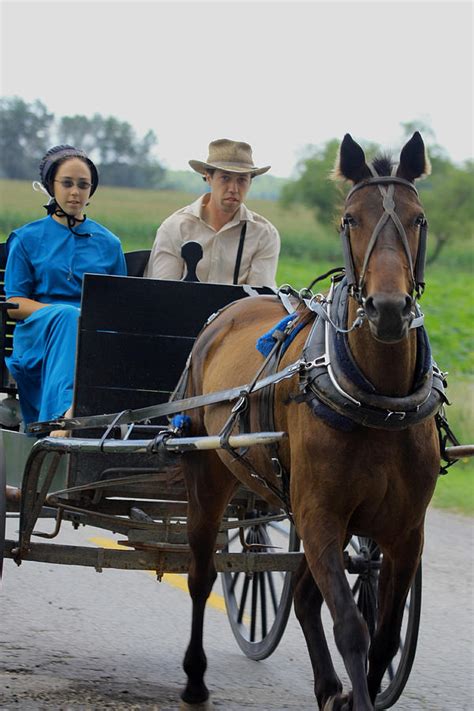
(136, 263)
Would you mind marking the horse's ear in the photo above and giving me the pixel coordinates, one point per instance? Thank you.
(414, 161)
(350, 163)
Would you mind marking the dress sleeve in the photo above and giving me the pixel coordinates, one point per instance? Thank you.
(19, 276)
(165, 260)
(120, 266)
(264, 263)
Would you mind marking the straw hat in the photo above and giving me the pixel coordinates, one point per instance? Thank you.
(232, 156)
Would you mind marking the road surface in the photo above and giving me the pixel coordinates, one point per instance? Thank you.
(71, 638)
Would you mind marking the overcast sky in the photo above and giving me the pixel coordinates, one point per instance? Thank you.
(279, 75)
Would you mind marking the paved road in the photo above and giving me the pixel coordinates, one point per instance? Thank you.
(74, 639)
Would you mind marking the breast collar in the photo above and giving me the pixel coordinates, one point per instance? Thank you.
(331, 377)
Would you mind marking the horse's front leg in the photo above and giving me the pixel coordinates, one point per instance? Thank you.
(325, 559)
(399, 567)
(210, 487)
(308, 601)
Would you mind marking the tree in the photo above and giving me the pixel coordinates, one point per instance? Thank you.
(80, 131)
(314, 187)
(25, 131)
(123, 159)
(446, 194)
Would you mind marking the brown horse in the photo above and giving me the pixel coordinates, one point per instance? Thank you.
(370, 479)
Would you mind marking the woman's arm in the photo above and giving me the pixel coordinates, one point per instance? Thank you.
(25, 307)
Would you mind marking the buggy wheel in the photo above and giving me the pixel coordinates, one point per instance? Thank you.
(258, 604)
(364, 590)
(3, 503)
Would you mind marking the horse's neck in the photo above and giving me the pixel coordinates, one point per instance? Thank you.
(389, 367)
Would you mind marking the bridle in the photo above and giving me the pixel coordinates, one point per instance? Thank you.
(388, 203)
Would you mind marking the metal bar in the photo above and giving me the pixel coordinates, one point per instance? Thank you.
(460, 452)
(173, 444)
(161, 561)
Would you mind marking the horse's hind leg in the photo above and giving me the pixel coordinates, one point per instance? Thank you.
(398, 570)
(210, 486)
(308, 601)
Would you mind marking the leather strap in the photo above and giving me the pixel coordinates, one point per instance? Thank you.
(239, 253)
(165, 408)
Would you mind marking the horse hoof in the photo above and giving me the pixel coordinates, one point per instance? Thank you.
(203, 706)
(339, 702)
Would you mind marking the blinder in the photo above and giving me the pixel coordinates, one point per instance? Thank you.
(417, 271)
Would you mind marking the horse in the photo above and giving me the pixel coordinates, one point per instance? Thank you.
(374, 478)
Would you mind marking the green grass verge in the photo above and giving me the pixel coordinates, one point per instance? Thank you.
(455, 490)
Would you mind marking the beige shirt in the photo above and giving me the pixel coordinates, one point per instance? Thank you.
(259, 257)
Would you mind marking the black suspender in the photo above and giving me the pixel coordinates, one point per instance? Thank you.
(239, 253)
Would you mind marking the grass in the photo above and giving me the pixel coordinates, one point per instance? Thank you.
(309, 249)
(455, 490)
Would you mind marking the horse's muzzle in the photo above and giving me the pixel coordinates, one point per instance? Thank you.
(389, 316)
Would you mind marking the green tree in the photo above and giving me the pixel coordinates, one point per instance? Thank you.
(447, 196)
(80, 131)
(123, 159)
(25, 131)
(314, 187)
(447, 193)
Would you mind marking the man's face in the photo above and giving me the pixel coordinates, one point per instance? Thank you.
(228, 190)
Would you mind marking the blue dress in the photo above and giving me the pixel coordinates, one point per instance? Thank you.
(47, 262)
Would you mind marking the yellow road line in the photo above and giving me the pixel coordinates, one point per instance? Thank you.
(174, 579)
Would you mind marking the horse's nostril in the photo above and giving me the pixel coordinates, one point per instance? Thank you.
(408, 305)
(370, 307)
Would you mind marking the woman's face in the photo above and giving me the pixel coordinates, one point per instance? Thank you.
(72, 186)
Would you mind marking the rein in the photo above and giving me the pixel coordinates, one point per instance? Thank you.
(165, 408)
(388, 204)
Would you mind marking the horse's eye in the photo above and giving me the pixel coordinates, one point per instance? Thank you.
(420, 220)
(349, 220)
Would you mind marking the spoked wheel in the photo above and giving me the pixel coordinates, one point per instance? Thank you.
(258, 604)
(366, 559)
(3, 503)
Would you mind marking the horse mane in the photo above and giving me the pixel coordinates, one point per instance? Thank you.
(383, 164)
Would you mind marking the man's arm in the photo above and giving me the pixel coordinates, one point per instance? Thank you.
(165, 260)
(264, 263)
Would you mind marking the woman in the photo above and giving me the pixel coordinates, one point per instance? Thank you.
(47, 260)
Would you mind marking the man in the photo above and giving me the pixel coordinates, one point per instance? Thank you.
(239, 246)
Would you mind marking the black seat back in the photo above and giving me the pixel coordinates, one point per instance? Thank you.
(136, 262)
(134, 338)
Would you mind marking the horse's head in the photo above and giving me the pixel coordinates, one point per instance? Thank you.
(384, 235)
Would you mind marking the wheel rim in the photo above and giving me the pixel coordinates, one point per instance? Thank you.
(258, 604)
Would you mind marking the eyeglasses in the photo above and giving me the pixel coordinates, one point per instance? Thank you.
(67, 184)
